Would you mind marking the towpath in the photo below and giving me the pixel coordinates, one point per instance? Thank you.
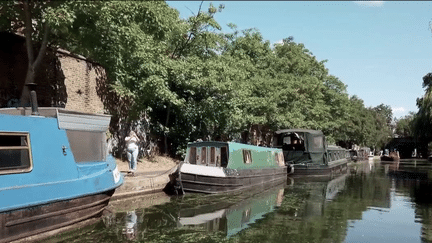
(150, 177)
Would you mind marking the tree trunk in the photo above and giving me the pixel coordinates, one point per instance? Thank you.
(33, 63)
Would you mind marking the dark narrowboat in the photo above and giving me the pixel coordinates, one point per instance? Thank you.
(54, 170)
(219, 167)
(359, 154)
(307, 153)
(392, 156)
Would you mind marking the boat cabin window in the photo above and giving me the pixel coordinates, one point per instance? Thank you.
(212, 161)
(318, 142)
(293, 141)
(87, 146)
(192, 155)
(224, 157)
(15, 153)
(247, 156)
(203, 157)
(218, 157)
(287, 140)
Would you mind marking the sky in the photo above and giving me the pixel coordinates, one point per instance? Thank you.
(380, 49)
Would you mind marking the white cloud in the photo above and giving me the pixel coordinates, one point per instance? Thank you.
(278, 42)
(369, 3)
(398, 109)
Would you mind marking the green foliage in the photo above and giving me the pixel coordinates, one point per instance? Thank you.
(386, 111)
(364, 126)
(421, 124)
(405, 125)
(196, 81)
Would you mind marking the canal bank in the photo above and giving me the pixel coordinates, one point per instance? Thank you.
(151, 177)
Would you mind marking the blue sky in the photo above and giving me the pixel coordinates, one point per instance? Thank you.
(380, 49)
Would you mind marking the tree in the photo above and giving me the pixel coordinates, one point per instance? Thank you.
(405, 125)
(364, 126)
(29, 17)
(386, 111)
(336, 97)
(188, 80)
(423, 119)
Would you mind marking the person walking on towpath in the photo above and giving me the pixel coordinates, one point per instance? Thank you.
(132, 151)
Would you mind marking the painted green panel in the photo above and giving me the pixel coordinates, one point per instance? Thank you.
(262, 157)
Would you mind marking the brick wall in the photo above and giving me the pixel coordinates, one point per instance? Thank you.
(82, 80)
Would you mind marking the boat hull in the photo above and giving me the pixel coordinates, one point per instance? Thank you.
(21, 223)
(389, 158)
(244, 180)
(333, 167)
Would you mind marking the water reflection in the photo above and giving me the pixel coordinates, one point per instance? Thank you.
(412, 179)
(321, 191)
(130, 229)
(371, 202)
(233, 219)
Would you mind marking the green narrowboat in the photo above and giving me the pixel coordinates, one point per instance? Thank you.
(307, 153)
(219, 167)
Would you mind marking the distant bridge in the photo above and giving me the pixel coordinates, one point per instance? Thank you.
(406, 147)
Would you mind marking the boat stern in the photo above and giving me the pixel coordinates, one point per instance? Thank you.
(104, 174)
(113, 168)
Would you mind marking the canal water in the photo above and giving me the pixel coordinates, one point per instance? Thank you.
(371, 202)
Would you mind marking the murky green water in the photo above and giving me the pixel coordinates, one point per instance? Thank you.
(372, 202)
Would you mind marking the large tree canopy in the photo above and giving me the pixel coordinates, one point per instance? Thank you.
(423, 119)
(194, 81)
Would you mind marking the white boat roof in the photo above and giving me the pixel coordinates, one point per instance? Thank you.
(299, 130)
(67, 119)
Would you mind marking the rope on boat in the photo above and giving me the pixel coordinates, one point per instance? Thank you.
(165, 172)
(175, 185)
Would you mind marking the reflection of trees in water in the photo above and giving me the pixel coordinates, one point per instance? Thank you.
(293, 221)
(421, 194)
(412, 179)
(163, 223)
(305, 214)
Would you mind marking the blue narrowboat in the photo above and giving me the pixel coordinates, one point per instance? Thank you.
(54, 170)
(219, 167)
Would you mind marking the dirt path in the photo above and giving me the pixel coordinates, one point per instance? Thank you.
(158, 163)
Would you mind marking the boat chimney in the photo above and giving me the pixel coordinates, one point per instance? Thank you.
(33, 99)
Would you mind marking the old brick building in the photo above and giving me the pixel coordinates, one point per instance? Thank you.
(63, 79)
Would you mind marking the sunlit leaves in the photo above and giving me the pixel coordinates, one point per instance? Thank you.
(197, 80)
